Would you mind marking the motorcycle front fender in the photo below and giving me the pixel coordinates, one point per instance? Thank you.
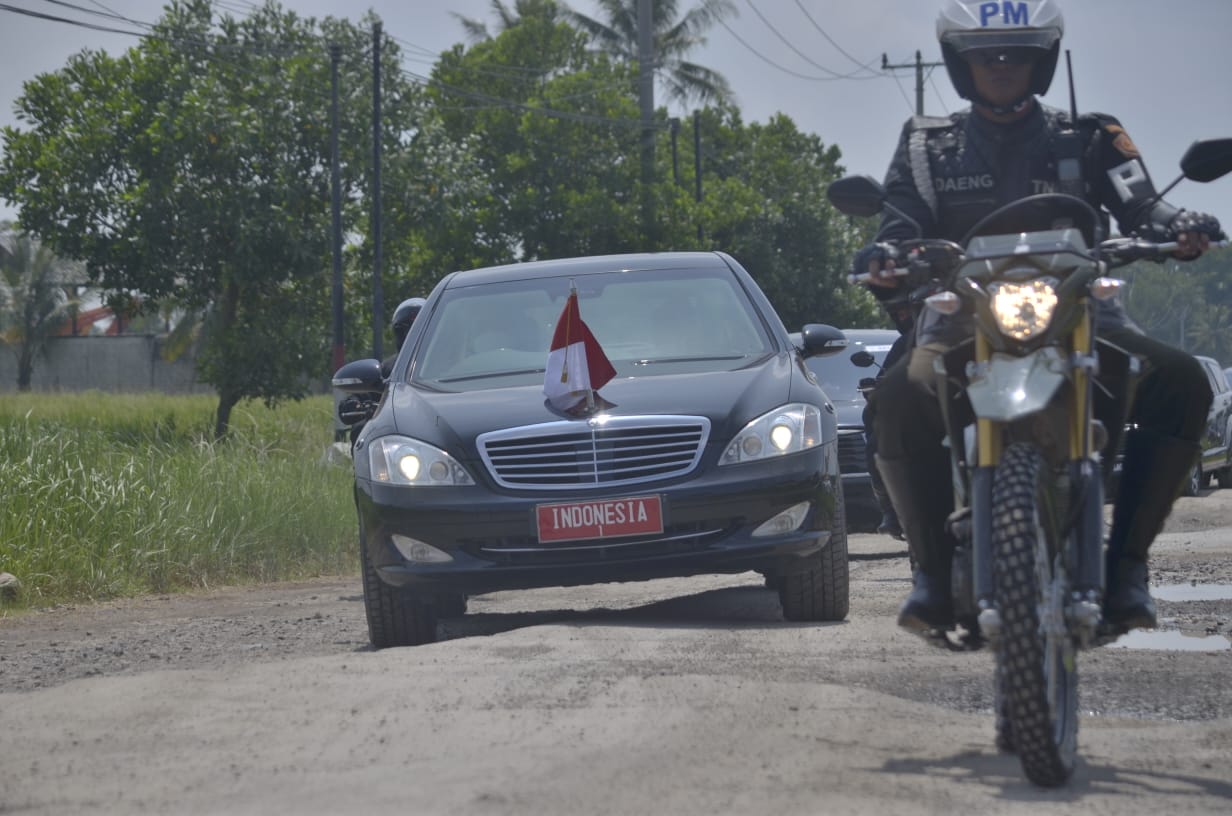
(1008, 388)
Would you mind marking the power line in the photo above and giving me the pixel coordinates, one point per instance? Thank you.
(800, 53)
(829, 39)
(785, 70)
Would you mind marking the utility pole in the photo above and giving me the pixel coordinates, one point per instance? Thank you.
(335, 55)
(919, 66)
(378, 297)
(675, 151)
(646, 76)
(697, 170)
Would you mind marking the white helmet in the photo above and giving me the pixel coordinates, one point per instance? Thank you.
(1030, 27)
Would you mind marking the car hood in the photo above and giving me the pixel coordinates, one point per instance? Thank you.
(730, 399)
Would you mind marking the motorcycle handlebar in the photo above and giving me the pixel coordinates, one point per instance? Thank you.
(1119, 251)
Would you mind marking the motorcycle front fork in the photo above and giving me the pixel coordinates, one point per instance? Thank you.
(1083, 566)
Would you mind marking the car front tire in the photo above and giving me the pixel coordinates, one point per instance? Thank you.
(396, 616)
(822, 592)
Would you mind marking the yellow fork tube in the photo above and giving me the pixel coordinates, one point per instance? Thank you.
(986, 430)
(1080, 436)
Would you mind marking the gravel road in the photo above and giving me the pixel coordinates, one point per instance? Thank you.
(687, 696)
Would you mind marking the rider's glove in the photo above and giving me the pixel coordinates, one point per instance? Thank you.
(875, 256)
(1190, 221)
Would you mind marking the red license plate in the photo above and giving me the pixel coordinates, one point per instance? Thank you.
(605, 518)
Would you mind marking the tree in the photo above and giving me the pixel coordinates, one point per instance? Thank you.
(1187, 305)
(194, 168)
(765, 203)
(33, 297)
(551, 127)
(675, 36)
(507, 17)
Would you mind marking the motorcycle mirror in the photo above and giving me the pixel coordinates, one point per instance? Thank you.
(1207, 160)
(863, 359)
(860, 196)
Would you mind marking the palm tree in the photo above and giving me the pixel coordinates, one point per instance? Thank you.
(507, 17)
(674, 37)
(33, 300)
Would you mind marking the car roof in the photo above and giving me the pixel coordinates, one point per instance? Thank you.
(587, 265)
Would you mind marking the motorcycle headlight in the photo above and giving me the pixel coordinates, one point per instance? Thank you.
(1023, 310)
(789, 429)
(400, 460)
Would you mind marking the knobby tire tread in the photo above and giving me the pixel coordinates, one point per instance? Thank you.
(1021, 649)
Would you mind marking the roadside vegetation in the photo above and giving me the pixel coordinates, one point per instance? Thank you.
(118, 495)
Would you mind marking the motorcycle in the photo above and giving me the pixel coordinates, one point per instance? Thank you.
(1029, 458)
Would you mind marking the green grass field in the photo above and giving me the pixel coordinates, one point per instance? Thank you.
(108, 495)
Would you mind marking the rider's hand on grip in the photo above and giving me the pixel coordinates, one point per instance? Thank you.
(1194, 233)
(875, 265)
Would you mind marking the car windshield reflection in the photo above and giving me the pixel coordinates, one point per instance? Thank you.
(649, 323)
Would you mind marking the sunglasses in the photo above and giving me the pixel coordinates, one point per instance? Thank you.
(1001, 56)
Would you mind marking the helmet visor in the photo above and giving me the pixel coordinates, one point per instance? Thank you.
(1025, 40)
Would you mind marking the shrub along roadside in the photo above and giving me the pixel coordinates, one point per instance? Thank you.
(118, 495)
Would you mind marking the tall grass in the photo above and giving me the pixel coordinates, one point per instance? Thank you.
(106, 495)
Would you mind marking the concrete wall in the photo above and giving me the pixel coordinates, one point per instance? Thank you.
(123, 363)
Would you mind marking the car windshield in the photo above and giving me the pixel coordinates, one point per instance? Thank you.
(649, 323)
(839, 377)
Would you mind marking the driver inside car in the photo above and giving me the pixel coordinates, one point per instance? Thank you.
(947, 174)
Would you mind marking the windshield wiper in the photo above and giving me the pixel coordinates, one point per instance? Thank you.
(688, 359)
(489, 374)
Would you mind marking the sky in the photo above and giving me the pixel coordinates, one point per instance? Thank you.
(1163, 67)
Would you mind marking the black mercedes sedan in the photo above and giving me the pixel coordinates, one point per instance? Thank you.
(709, 448)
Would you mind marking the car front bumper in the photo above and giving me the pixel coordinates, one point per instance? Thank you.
(492, 542)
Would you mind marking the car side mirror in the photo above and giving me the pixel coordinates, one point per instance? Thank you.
(360, 377)
(820, 340)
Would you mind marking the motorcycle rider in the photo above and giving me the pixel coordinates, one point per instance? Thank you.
(902, 313)
(947, 174)
(403, 317)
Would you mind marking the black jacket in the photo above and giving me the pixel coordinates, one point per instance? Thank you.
(949, 173)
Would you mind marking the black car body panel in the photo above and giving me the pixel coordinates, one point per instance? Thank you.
(1217, 437)
(488, 529)
(839, 378)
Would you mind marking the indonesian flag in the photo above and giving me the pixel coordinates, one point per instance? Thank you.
(576, 362)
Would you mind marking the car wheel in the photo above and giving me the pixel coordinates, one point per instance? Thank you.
(1193, 484)
(451, 606)
(822, 592)
(396, 616)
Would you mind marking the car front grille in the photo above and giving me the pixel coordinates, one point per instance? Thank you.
(604, 452)
(678, 539)
(851, 452)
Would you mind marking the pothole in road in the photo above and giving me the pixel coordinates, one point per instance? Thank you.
(1168, 641)
(1193, 592)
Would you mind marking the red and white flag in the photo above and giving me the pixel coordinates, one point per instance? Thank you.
(577, 365)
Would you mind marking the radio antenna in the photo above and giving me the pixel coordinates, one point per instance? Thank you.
(1073, 98)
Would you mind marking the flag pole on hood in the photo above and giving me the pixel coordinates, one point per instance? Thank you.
(577, 366)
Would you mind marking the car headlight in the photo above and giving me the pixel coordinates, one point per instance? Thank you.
(1023, 310)
(789, 429)
(401, 460)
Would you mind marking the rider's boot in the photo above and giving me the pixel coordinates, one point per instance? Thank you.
(922, 497)
(1154, 471)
